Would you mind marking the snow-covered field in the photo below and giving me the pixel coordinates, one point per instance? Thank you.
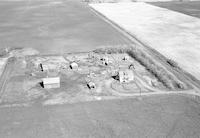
(173, 34)
(2, 64)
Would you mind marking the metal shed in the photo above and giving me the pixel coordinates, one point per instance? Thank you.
(91, 85)
(74, 65)
(49, 83)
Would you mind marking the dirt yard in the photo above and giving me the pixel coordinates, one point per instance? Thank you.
(96, 75)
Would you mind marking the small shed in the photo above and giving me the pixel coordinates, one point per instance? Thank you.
(105, 60)
(73, 65)
(44, 67)
(126, 76)
(48, 66)
(131, 66)
(49, 83)
(91, 85)
(36, 64)
(125, 58)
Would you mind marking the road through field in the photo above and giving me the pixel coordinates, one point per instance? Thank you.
(54, 26)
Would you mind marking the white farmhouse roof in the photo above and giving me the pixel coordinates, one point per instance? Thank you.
(126, 76)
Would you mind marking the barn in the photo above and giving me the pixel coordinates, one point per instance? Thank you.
(49, 83)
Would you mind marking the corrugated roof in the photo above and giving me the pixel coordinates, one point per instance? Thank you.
(51, 80)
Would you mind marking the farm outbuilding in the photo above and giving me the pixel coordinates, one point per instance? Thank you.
(43, 67)
(105, 60)
(73, 65)
(125, 58)
(131, 66)
(126, 76)
(49, 83)
(91, 85)
(47, 66)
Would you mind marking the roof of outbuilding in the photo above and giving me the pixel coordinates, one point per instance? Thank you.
(51, 80)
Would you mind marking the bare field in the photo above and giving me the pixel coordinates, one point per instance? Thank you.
(191, 8)
(157, 116)
(54, 26)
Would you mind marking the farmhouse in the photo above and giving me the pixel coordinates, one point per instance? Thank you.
(126, 76)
